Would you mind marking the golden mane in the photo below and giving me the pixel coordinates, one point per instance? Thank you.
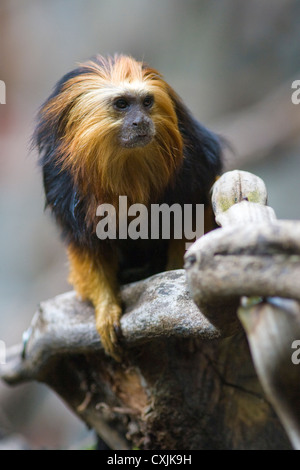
(89, 147)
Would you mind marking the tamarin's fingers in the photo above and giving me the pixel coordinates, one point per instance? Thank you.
(107, 324)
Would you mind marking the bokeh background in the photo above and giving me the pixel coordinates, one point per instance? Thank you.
(233, 63)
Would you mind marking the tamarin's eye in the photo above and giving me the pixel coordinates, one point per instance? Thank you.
(121, 103)
(148, 101)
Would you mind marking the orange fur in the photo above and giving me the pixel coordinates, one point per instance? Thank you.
(85, 164)
(89, 148)
(94, 279)
(104, 170)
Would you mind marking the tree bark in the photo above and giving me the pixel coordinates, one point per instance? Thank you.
(256, 258)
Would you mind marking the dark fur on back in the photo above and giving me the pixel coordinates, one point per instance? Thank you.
(193, 180)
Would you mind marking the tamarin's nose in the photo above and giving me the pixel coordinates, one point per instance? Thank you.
(140, 121)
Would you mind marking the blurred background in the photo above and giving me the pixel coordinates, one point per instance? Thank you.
(233, 63)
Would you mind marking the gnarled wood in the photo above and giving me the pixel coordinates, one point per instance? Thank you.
(253, 254)
(187, 379)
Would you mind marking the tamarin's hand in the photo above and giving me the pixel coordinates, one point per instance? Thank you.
(113, 127)
(94, 279)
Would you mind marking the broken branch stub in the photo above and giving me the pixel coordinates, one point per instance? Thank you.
(253, 254)
(256, 257)
(272, 327)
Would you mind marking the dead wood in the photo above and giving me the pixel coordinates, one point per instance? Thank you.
(187, 379)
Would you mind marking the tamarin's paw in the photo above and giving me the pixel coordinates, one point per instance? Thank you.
(108, 327)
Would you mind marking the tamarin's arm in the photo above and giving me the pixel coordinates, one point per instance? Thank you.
(177, 248)
(96, 280)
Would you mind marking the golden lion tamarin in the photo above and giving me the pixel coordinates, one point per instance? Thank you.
(114, 127)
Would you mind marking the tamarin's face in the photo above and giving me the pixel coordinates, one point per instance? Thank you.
(133, 111)
(114, 127)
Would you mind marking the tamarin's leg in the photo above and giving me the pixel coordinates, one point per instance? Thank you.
(177, 248)
(95, 280)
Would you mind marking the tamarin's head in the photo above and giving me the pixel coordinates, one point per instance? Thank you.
(112, 123)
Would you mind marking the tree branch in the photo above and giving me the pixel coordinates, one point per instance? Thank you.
(187, 376)
(253, 255)
(158, 307)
